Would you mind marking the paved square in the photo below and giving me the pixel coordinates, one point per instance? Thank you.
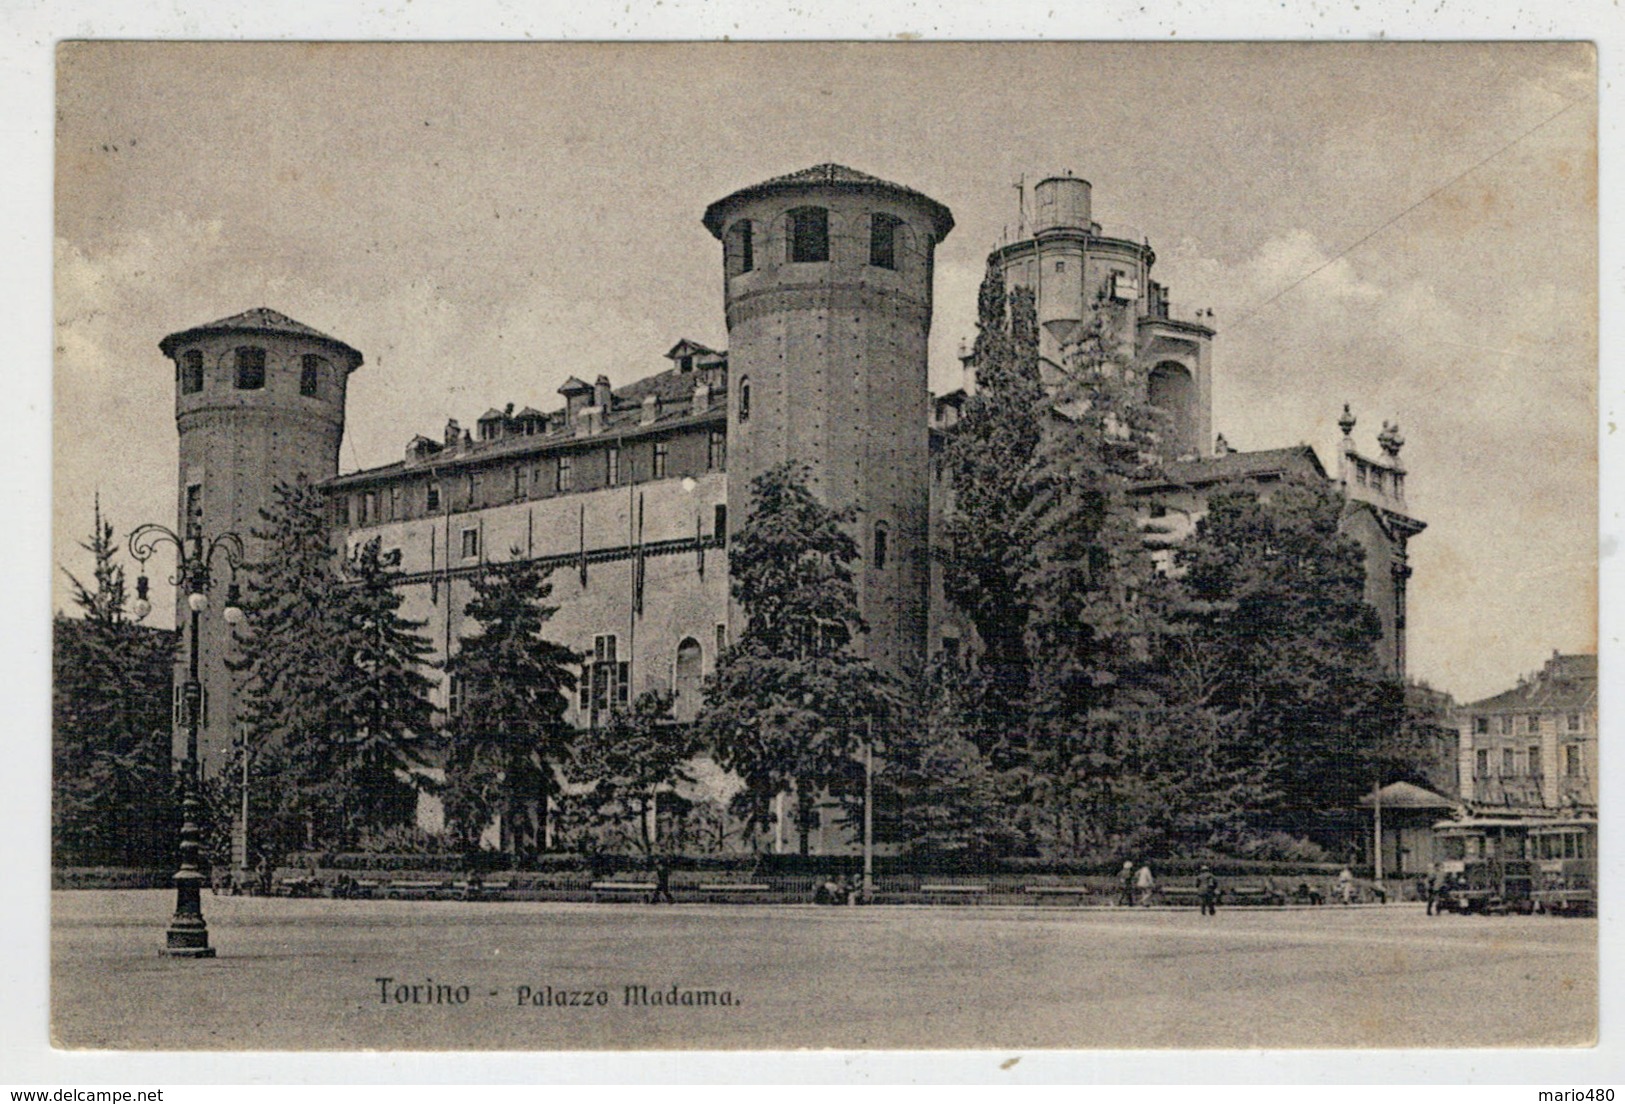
(541, 976)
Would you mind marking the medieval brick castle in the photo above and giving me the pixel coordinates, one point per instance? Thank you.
(628, 491)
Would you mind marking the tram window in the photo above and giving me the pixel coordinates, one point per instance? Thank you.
(1571, 848)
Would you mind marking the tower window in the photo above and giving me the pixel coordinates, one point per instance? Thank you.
(881, 540)
(809, 235)
(739, 251)
(310, 375)
(744, 398)
(747, 248)
(250, 369)
(661, 450)
(194, 508)
(471, 543)
(716, 453)
(883, 240)
(612, 465)
(191, 372)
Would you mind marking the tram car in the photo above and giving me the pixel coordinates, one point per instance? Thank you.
(1564, 855)
(1484, 865)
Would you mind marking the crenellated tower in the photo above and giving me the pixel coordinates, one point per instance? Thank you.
(827, 283)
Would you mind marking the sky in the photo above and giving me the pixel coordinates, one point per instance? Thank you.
(1411, 229)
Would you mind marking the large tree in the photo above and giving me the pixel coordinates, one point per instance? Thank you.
(112, 798)
(792, 703)
(509, 733)
(1277, 608)
(629, 768)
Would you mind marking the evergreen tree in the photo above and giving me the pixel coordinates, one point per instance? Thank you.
(112, 797)
(791, 704)
(989, 456)
(514, 685)
(387, 719)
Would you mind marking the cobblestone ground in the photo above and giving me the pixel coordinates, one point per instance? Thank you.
(304, 975)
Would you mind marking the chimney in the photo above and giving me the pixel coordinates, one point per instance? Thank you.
(454, 433)
(651, 410)
(600, 393)
(702, 397)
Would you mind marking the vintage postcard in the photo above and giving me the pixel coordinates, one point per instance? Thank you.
(878, 546)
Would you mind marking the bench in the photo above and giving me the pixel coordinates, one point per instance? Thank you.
(1075, 893)
(732, 887)
(620, 890)
(477, 891)
(1255, 895)
(1180, 895)
(398, 890)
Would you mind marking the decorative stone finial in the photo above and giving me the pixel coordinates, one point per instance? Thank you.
(1346, 422)
(1221, 447)
(1390, 439)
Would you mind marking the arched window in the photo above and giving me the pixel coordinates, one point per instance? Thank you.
(250, 368)
(744, 398)
(808, 238)
(1171, 389)
(741, 248)
(882, 540)
(191, 367)
(686, 680)
(310, 375)
(883, 240)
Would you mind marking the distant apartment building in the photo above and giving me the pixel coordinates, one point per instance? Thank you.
(1535, 745)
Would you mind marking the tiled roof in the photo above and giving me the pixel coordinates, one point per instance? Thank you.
(261, 320)
(827, 175)
(1245, 465)
(1566, 682)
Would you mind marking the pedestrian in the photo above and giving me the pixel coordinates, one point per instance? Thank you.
(1345, 885)
(1208, 886)
(1126, 876)
(662, 890)
(1145, 884)
(1432, 889)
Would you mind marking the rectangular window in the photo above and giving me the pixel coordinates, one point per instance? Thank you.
(310, 375)
(250, 369)
(612, 466)
(1574, 722)
(471, 544)
(372, 506)
(1506, 725)
(519, 482)
(716, 453)
(564, 476)
(1481, 766)
(1534, 762)
(191, 372)
(1481, 726)
(1507, 769)
(883, 240)
(471, 486)
(809, 235)
(747, 248)
(1533, 724)
(194, 507)
(661, 450)
(432, 498)
(394, 504)
(722, 639)
(719, 522)
(454, 696)
(1571, 760)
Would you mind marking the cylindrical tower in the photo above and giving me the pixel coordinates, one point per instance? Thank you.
(828, 289)
(259, 400)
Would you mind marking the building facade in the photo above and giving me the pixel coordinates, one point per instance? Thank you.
(627, 492)
(1535, 745)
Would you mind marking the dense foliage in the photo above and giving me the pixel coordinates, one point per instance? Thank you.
(112, 798)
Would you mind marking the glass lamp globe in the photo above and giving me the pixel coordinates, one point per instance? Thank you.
(140, 608)
(233, 615)
(197, 601)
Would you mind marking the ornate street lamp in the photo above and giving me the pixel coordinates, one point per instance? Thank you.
(188, 935)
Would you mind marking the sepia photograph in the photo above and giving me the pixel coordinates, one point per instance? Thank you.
(866, 545)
